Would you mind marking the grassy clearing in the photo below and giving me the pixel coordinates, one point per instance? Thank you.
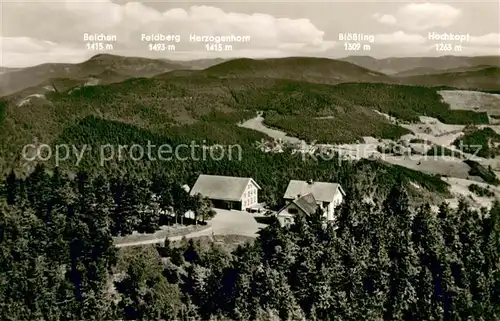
(443, 151)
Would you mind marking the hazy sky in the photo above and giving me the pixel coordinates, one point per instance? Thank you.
(35, 31)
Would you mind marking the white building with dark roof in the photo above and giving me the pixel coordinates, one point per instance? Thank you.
(304, 205)
(227, 192)
(327, 195)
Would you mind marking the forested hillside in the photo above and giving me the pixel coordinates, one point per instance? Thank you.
(314, 70)
(482, 79)
(389, 261)
(236, 157)
(184, 104)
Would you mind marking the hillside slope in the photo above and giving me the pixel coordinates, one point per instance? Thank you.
(209, 105)
(482, 79)
(431, 71)
(315, 70)
(329, 71)
(206, 109)
(198, 64)
(102, 64)
(400, 64)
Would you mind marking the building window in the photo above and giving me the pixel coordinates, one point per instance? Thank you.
(293, 211)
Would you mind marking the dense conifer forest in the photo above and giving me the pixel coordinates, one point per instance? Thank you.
(386, 260)
(194, 105)
(271, 170)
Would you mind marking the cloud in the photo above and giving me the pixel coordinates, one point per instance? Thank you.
(386, 19)
(24, 51)
(67, 21)
(25, 44)
(176, 14)
(488, 44)
(140, 13)
(418, 44)
(399, 38)
(421, 16)
(491, 39)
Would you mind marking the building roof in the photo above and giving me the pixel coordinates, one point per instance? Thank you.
(324, 192)
(306, 203)
(227, 188)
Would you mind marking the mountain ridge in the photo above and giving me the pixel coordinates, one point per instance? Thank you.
(15, 81)
(109, 68)
(393, 65)
(310, 69)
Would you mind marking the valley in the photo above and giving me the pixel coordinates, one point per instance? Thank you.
(429, 134)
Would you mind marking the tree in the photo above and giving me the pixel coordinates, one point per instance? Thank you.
(12, 188)
(202, 207)
(181, 202)
(127, 213)
(146, 294)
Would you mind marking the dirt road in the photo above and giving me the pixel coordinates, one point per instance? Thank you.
(207, 231)
(225, 222)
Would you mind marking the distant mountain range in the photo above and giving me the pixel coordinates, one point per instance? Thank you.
(329, 71)
(472, 78)
(429, 71)
(4, 70)
(109, 68)
(102, 69)
(416, 65)
(460, 72)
